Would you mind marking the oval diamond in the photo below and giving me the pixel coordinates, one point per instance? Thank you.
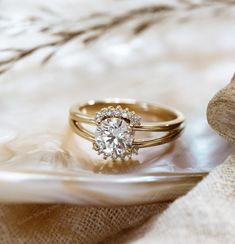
(114, 137)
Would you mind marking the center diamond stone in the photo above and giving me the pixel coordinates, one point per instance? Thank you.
(114, 137)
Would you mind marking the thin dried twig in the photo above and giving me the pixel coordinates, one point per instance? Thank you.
(88, 33)
(91, 33)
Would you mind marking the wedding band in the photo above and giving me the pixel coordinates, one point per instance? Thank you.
(118, 120)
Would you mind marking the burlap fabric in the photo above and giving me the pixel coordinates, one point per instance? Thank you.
(68, 224)
(204, 215)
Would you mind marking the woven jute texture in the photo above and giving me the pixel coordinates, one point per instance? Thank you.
(68, 224)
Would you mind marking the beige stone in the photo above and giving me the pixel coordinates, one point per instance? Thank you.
(221, 112)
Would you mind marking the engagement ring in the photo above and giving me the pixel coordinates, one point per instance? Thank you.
(118, 120)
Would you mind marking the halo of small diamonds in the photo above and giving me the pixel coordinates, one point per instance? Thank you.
(114, 134)
(118, 112)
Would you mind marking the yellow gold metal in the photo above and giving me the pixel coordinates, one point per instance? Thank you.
(163, 119)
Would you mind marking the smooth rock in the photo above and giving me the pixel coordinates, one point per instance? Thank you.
(221, 112)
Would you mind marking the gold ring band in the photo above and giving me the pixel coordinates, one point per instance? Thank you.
(117, 120)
